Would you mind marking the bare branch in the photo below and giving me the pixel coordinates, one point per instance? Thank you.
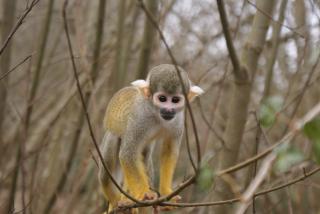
(238, 73)
(15, 67)
(18, 24)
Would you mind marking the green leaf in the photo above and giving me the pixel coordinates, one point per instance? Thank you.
(312, 131)
(205, 178)
(268, 110)
(316, 151)
(287, 159)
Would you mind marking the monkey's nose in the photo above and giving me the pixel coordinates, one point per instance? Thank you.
(166, 114)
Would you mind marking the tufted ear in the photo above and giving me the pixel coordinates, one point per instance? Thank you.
(143, 86)
(194, 92)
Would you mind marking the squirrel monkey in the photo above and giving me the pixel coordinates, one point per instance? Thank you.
(149, 110)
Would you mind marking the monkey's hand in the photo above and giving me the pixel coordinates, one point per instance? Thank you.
(175, 199)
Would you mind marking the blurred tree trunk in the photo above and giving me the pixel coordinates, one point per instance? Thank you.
(299, 11)
(43, 46)
(5, 59)
(147, 40)
(130, 38)
(117, 75)
(98, 40)
(238, 108)
(276, 32)
(80, 124)
(35, 83)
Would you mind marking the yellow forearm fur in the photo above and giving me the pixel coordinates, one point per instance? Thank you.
(168, 163)
(136, 180)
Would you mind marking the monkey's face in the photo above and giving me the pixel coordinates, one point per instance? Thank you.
(167, 104)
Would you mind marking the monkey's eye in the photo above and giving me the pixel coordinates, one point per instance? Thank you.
(162, 98)
(175, 99)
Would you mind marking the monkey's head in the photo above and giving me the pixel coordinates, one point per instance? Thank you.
(164, 89)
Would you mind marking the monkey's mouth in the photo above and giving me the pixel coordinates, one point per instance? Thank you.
(167, 116)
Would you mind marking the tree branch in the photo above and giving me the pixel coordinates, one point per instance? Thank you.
(17, 25)
(15, 67)
(238, 73)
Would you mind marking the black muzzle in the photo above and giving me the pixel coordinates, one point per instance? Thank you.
(167, 114)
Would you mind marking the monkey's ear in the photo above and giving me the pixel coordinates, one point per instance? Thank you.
(194, 92)
(143, 86)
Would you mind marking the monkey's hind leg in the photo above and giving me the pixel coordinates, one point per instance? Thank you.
(110, 149)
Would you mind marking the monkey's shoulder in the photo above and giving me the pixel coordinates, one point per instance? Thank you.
(119, 109)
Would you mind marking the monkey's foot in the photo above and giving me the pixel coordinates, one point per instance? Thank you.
(149, 196)
(126, 202)
(175, 199)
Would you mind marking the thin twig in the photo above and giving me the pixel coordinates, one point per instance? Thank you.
(15, 67)
(248, 161)
(18, 24)
(203, 116)
(301, 178)
(188, 145)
